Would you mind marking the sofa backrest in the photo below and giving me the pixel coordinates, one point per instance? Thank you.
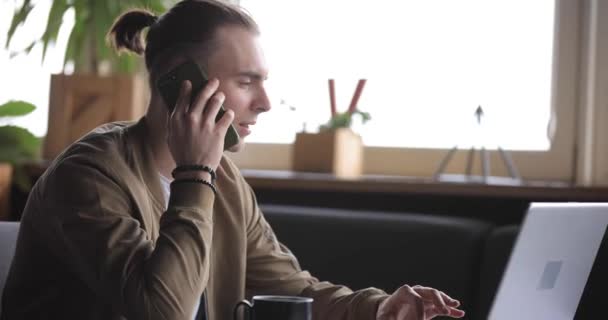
(384, 250)
(497, 251)
(8, 241)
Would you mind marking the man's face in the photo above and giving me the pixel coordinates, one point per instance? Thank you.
(239, 64)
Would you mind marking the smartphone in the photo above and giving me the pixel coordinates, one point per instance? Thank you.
(169, 86)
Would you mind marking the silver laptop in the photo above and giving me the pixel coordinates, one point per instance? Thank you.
(551, 262)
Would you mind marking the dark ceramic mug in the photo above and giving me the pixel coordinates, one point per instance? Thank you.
(276, 308)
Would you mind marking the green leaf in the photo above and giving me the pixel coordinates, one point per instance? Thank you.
(74, 46)
(18, 144)
(344, 120)
(340, 120)
(127, 63)
(93, 19)
(102, 23)
(365, 116)
(16, 108)
(158, 6)
(29, 48)
(53, 24)
(18, 18)
(75, 51)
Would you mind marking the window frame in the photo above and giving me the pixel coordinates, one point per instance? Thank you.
(592, 140)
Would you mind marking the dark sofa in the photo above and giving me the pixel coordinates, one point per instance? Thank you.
(463, 257)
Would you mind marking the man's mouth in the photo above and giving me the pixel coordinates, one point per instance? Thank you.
(245, 129)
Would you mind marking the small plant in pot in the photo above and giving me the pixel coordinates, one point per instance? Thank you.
(336, 149)
(345, 119)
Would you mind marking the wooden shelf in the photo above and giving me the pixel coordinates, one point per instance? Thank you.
(451, 185)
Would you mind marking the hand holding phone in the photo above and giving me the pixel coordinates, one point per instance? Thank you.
(170, 83)
(193, 136)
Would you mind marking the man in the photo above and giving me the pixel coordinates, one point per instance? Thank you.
(107, 233)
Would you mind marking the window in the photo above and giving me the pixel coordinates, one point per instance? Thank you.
(522, 81)
(429, 65)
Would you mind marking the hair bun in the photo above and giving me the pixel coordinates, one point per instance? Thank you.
(126, 32)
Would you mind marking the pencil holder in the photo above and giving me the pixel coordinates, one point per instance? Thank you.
(338, 151)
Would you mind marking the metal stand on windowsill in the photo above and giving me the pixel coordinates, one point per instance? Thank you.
(514, 176)
(513, 179)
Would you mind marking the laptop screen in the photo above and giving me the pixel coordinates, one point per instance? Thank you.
(593, 301)
(556, 270)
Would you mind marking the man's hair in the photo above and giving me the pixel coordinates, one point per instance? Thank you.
(189, 22)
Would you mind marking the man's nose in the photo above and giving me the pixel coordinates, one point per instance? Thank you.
(262, 103)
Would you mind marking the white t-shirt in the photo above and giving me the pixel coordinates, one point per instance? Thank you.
(165, 184)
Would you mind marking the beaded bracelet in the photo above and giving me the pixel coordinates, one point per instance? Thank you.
(205, 182)
(194, 167)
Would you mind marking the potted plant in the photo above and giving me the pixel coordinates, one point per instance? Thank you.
(18, 146)
(104, 86)
(336, 149)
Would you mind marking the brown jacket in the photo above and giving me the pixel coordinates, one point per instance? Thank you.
(96, 243)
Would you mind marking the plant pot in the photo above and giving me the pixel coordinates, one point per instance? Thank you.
(339, 152)
(6, 178)
(78, 103)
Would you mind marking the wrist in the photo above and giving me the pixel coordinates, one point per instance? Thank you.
(203, 175)
(194, 170)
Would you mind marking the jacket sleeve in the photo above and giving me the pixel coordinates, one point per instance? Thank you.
(107, 248)
(273, 269)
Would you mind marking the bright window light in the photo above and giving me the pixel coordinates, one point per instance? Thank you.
(25, 76)
(428, 64)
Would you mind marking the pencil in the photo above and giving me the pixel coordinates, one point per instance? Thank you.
(356, 96)
(332, 97)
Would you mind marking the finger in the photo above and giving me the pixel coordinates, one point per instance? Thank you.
(181, 105)
(439, 300)
(456, 313)
(407, 290)
(203, 97)
(433, 311)
(225, 121)
(449, 300)
(432, 295)
(213, 107)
